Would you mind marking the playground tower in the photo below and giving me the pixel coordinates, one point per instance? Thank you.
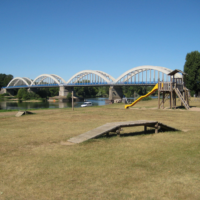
(176, 87)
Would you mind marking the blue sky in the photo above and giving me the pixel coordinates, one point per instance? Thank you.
(64, 37)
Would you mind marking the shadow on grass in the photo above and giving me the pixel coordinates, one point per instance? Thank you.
(182, 107)
(131, 134)
(112, 134)
(137, 133)
(193, 107)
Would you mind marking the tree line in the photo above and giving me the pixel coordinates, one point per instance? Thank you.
(5, 79)
(103, 91)
(42, 93)
(85, 92)
(192, 69)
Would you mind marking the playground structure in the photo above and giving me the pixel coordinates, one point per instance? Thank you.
(169, 90)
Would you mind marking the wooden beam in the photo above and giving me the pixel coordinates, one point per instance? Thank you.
(156, 128)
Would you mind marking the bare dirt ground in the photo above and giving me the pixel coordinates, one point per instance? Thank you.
(194, 109)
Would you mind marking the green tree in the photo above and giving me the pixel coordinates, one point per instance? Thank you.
(192, 69)
(5, 79)
(26, 96)
(53, 91)
(102, 91)
(43, 92)
(69, 96)
(21, 92)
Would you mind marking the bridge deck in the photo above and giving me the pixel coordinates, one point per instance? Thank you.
(111, 127)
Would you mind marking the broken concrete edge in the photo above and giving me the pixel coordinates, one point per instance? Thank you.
(20, 113)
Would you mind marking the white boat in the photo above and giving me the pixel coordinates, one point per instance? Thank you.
(86, 104)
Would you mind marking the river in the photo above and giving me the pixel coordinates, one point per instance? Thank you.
(15, 105)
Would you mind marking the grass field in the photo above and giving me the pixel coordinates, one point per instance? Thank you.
(36, 162)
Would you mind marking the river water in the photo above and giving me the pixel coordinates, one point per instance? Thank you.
(15, 105)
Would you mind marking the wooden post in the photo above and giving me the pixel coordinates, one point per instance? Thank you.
(118, 132)
(174, 99)
(171, 102)
(163, 99)
(158, 99)
(145, 129)
(188, 98)
(156, 127)
(171, 89)
(72, 100)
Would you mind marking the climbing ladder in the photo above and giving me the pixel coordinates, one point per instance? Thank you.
(181, 98)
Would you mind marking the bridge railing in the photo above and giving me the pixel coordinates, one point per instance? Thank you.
(19, 86)
(87, 84)
(137, 83)
(28, 86)
(47, 85)
(91, 83)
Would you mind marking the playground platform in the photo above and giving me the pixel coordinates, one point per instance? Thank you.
(116, 127)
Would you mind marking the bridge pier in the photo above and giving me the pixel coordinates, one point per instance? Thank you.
(3, 91)
(10, 91)
(115, 93)
(34, 90)
(64, 91)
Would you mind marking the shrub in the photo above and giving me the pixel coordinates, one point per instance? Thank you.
(25, 96)
(147, 99)
(69, 95)
(21, 92)
(5, 94)
(192, 93)
(43, 99)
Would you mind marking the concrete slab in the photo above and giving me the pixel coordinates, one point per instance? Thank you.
(20, 113)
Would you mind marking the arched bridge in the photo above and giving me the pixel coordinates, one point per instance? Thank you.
(141, 75)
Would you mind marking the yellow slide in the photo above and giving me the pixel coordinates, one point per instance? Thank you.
(146, 95)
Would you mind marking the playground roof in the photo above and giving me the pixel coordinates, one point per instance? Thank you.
(177, 71)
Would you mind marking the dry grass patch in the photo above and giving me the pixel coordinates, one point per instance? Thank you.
(36, 163)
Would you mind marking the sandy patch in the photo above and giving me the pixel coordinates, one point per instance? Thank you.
(66, 143)
(194, 109)
(185, 130)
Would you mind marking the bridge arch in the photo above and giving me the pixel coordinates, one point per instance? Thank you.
(59, 78)
(137, 73)
(48, 79)
(92, 76)
(107, 75)
(18, 81)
